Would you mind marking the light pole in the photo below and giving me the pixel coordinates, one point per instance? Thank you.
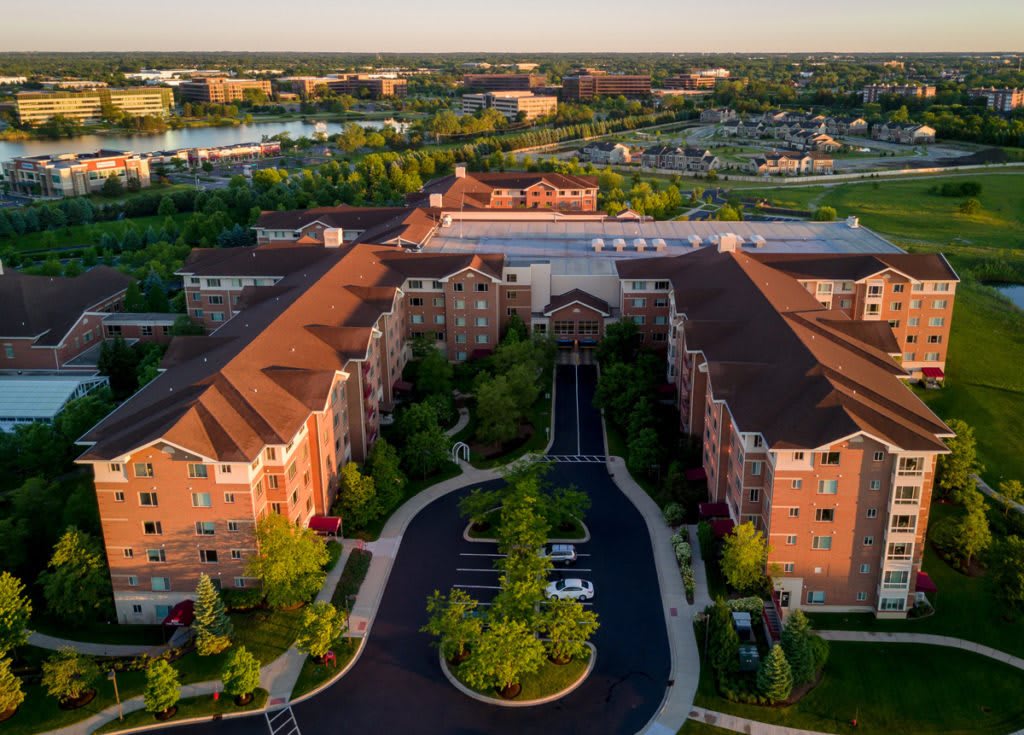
(112, 675)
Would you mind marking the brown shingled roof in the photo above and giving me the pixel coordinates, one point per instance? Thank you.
(46, 307)
(854, 267)
(473, 190)
(577, 296)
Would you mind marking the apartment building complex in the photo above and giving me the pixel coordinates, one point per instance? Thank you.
(511, 104)
(304, 86)
(366, 85)
(509, 190)
(74, 174)
(35, 108)
(874, 92)
(221, 90)
(589, 84)
(503, 82)
(46, 322)
(790, 163)
(806, 429)
(909, 134)
(680, 159)
(257, 417)
(1000, 100)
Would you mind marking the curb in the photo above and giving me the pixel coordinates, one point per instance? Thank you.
(554, 387)
(189, 721)
(521, 703)
(323, 685)
(585, 539)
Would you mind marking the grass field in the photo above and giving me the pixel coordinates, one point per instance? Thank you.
(694, 727)
(885, 688)
(549, 680)
(313, 674)
(904, 210)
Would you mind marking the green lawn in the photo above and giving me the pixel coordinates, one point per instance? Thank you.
(314, 674)
(549, 680)
(985, 378)
(695, 727)
(188, 708)
(127, 635)
(266, 634)
(964, 608)
(906, 212)
(897, 688)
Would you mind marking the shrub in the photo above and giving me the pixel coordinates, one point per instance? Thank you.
(752, 605)
(706, 539)
(334, 551)
(674, 514)
(240, 600)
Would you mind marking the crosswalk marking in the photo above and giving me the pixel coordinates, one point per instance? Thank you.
(282, 722)
(575, 458)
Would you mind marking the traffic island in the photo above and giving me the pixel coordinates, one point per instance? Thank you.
(552, 682)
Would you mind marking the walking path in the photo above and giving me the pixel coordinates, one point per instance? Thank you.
(995, 495)
(923, 638)
(461, 423)
(41, 640)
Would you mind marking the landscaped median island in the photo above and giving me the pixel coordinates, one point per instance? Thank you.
(523, 647)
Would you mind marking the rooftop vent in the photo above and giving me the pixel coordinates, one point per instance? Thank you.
(659, 244)
(597, 244)
(619, 244)
(640, 244)
(695, 241)
(729, 242)
(758, 241)
(853, 222)
(334, 237)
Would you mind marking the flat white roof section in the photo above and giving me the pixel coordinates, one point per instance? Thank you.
(531, 241)
(28, 398)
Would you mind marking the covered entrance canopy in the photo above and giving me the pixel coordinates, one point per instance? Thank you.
(181, 615)
(711, 510)
(933, 372)
(325, 525)
(925, 583)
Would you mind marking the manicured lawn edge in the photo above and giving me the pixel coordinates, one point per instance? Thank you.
(545, 699)
(581, 538)
(311, 681)
(198, 709)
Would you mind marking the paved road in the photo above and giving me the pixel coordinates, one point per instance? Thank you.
(397, 686)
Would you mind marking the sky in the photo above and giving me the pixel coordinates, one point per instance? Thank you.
(744, 26)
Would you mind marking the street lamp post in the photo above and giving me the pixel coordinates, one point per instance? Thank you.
(112, 675)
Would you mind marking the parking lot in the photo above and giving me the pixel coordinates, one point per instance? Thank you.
(478, 573)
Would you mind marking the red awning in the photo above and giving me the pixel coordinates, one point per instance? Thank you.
(181, 614)
(925, 583)
(713, 510)
(696, 474)
(325, 525)
(933, 373)
(402, 386)
(722, 527)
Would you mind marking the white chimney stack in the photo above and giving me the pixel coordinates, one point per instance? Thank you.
(334, 237)
(436, 200)
(728, 243)
(460, 170)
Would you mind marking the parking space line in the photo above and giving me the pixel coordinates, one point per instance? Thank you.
(477, 587)
(466, 569)
(471, 554)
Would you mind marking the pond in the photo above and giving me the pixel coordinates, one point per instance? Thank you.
(1013, 291)
(171, 139)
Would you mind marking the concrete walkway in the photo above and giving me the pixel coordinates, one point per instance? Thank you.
(41, 640)
(994, 494)
(741, 724)
(685, 669)
(863, 636)
(461, 423)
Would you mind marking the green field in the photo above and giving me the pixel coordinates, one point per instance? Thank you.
(896, 688)
(904, 210)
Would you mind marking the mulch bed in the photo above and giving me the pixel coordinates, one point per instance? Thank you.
(72, 704)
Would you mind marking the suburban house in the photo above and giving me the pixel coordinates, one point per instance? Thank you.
(606, 152)
(680, 159)
(508, 190)
(790, 163)
(909, 134)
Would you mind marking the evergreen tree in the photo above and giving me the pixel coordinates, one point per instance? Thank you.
(774, 677)
(133, 301)
(156, 299)
(162, 687)
(212, 625)
(167, 207)
(723, 639)
(796, 644)
(76, 584)
(11, 694)
(241, 675)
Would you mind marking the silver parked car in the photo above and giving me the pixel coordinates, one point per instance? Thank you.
(564, 554)
(569, 589)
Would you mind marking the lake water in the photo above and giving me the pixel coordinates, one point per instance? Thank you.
(1014, 291)
(170, 140)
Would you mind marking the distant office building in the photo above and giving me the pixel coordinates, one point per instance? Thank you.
(511, 103)
(589, 84)
(502, 82)
(359, 85)
(9, 81)
(304, 86)
(690, 81)
(73, 84)
(74, 174)
(718, 73)
(874, 92)
(221, 89)
(1000, 100)
(35, 108)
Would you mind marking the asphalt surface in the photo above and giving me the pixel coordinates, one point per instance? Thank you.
(397, 685)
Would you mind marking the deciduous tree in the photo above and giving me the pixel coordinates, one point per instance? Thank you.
(15, 613)
(1008, 572)
(76, 584)
(388, 479)
(957, 469)
(241, 675)
(68, 675)
(322, 626)
(453, 622)
(163, 689)
(744, 558)
(506, 651)
(1012, 492)
(567, 626)
(358, 498)
(11, 693)
(290, 561)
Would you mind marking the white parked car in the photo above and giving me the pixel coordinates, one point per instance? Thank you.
(569, 589)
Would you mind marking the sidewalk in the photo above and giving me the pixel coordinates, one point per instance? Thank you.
(741, 724)
(862, 636)
(461, 423)
(994, 494)
(685, 666)
(42, 640)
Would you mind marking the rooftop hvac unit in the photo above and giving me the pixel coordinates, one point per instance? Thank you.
(695, 241)
(729, 242)
(659, 244)
(446, 221)
(334, 237)
(619, 244)
(597, 244)
(758, 241)
(639, 243)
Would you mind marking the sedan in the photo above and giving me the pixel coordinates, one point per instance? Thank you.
(569, 589)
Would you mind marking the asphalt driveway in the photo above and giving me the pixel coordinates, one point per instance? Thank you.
(397, 685)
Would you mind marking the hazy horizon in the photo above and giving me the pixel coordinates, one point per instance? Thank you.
(465, 26)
